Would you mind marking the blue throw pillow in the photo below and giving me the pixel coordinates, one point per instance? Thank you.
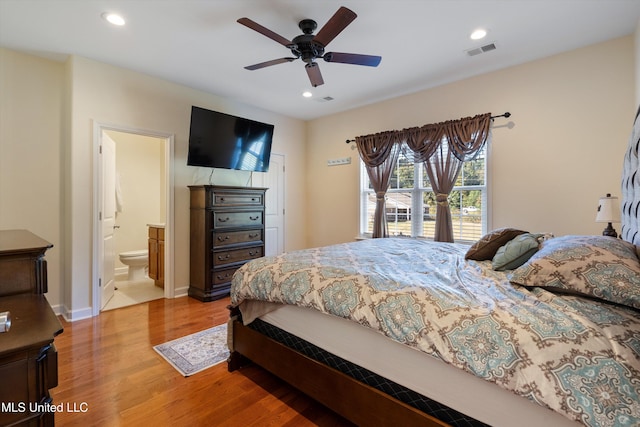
(516, 252)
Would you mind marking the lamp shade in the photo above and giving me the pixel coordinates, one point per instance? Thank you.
(608, 209)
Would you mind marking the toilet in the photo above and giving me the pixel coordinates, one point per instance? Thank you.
(137, 261)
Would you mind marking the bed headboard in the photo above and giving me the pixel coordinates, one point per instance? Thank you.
(631, 187)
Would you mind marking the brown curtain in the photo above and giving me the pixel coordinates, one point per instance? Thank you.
(443, 169)
(467, 136)
(443, 147)
(423, 141)
(379, 153)
(461, 140)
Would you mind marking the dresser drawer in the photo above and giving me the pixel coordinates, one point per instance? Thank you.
(237, 255)
(236, 199)
(51, 363)
(236, 237)
(220, 277)
(237, 219)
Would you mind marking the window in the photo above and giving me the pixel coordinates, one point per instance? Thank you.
(411, 202)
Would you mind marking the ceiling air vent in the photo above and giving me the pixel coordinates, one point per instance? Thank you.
(482, 49)
(325, 99)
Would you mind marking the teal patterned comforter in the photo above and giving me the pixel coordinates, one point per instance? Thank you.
(573, 355)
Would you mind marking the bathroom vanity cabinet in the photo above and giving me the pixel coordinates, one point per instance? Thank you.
(156, 254)
(227, 230)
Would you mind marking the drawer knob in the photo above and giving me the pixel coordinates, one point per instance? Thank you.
(253, 218)
(222, 239)
(223, 219)
(253, 235)
(252, 253)
(223, 276)
(222, 258)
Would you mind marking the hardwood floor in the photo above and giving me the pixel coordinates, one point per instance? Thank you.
(109, 375)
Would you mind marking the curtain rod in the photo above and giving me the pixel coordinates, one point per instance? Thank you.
(505, 115)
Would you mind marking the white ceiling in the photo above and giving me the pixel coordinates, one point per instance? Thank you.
(199, 44)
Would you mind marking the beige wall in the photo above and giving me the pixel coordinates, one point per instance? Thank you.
(31, 182)
(572, 114)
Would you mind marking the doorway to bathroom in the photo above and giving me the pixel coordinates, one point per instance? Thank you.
(134, 200)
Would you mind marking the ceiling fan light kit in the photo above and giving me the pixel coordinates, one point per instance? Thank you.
(310, 48)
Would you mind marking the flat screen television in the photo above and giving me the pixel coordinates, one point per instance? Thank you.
(218, 140)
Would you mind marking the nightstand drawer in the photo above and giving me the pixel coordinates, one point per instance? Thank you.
(237, 255)
(237, 219)
(236, 237)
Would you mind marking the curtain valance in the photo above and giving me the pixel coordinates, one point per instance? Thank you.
(443, 147)
(465, 137)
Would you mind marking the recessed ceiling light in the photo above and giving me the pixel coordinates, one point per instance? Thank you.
(478, 34)
(307, 94)
(113, 18)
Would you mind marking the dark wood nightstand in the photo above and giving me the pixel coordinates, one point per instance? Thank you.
(23, 268)
(28, 361)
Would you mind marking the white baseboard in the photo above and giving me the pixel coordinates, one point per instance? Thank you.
(72, 316)
(87, 312)
(182, 291)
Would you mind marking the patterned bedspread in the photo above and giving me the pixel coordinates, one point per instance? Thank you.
(576, 356)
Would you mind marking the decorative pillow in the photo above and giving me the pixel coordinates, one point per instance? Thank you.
(516, 252)
(597, 266)
(488, 245)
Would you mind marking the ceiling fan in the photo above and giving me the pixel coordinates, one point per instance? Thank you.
(311, 47)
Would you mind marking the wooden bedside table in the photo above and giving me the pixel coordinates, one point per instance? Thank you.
(28, 361)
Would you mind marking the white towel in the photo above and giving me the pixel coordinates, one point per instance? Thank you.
(119, 201)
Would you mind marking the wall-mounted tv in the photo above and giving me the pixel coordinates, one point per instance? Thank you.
(218, 140)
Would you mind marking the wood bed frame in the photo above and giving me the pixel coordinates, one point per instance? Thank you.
(353, 400)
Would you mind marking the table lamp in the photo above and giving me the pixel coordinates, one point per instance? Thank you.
(609, 212)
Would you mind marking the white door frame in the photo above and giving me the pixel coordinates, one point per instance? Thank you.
(169, 282)
(266, 180)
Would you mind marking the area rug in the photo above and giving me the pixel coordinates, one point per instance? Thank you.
(196, 352)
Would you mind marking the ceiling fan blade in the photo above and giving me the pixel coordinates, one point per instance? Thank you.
(334, 26)
(264, 31)
(269, 63)
(313, 71)
(353, 58)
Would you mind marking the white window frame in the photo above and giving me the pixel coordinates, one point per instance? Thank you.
(417, 203)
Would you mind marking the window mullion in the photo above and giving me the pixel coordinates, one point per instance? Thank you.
(417, 219)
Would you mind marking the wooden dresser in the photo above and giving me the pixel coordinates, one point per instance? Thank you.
(28, 361)
(22, 264)
(28, 358)
(227, 230)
